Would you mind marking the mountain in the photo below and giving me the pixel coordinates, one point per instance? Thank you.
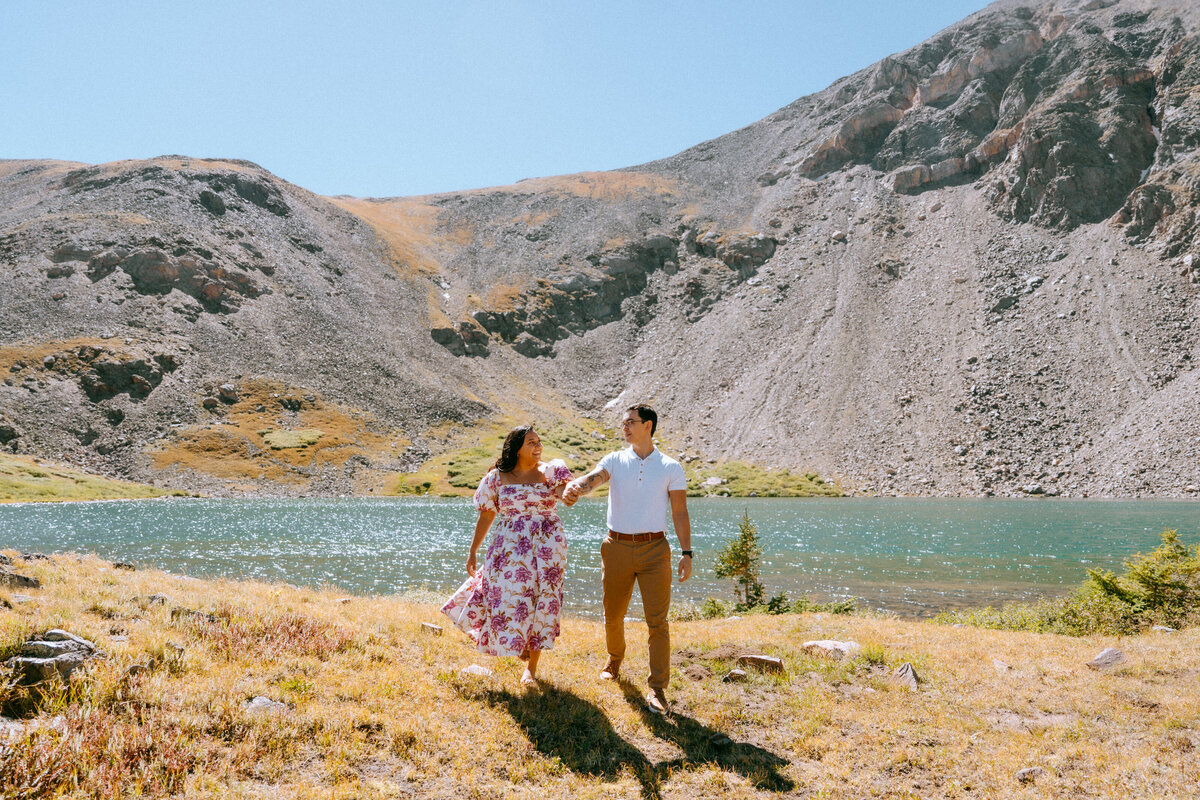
(971, 268)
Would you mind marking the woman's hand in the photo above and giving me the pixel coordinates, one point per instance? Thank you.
(471, 564)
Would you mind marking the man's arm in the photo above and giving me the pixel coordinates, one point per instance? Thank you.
(683, 530)
(581, 486)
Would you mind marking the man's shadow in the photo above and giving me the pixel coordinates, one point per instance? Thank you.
(703, 745)
(564, 726)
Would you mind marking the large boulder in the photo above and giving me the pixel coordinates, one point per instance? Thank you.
(15, 580)
(55, 655)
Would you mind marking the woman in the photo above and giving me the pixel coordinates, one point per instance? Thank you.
(510, 607)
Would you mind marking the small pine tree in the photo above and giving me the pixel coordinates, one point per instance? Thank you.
(739, 560)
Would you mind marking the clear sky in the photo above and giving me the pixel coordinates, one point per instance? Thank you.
(376, 98)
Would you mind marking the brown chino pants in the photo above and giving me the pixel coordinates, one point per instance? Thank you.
(649, 564)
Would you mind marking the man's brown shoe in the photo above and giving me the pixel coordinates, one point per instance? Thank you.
(656, 701)
(610, 672)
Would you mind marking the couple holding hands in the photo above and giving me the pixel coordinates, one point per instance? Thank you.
(511, 604)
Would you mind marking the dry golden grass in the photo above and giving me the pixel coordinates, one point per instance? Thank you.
(411, 230)
(607, 187)
(31, 353)
(278, 444)
(375, 708)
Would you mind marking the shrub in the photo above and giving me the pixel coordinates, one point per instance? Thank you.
(779, 604)
(1160, 587)
(712, 608)
(739, 560)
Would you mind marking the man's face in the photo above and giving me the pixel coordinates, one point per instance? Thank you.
(634, 428)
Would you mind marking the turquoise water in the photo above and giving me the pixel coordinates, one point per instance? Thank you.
(914, 556)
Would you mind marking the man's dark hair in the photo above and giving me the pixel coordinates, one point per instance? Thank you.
(645, 414)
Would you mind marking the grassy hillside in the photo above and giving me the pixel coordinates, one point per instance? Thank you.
(28, 479)
(373, 707)
(468, 453)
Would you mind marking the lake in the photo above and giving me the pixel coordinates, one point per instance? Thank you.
(912, 556)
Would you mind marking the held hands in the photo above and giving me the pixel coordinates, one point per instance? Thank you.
(685, 568)
(571, 493)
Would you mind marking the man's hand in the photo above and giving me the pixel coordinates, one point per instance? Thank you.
(581, 486)
(685, 568)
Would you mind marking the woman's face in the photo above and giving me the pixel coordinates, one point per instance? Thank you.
(531, 450)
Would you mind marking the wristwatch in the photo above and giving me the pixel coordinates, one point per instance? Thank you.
(687, 553)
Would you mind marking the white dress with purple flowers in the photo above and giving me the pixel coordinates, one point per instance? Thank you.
(513, 602)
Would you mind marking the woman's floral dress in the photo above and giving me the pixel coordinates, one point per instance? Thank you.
(513, 602)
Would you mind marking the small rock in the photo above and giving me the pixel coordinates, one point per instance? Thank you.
(735, 676)
(136, 669)
(1108, 657)
(228, 392)
(906, 676)
(1000, 665)
(839, 236)
(21, 598)
(343, 600)
(43, 649)
(1156, 628)
(765, 663)
(49, 361)
(830, 648)
(476, 670)
(11, 730)
(936, 207)
(265, 705)
(1033, 488)
(17, 581)
(158, 599)
(124, 565)
(35, 557)
(5, 560)
(210, 403)
(32, 671)
(720, 740)
(1030, 774)
(430, 628)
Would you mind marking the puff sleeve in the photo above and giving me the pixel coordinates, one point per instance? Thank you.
(487, 496)
(556, 472)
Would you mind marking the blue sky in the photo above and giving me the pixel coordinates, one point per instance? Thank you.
(400, 98)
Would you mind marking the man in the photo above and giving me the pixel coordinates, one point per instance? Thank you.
(644, 484)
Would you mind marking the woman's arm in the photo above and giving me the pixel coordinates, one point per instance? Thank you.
(481, 528)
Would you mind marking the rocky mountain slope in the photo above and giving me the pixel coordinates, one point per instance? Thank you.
(970, 268)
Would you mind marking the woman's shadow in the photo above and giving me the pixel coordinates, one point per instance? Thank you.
(565, 726)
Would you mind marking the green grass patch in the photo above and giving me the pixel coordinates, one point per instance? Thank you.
(23, 480)
(457, 472)
(278, 439)
(741, 479)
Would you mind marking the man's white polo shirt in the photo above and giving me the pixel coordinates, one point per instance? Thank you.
(637, 494)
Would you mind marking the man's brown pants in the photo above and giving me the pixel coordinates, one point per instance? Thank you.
(649, 564)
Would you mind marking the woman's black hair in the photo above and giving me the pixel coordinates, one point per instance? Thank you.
(512, 446)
